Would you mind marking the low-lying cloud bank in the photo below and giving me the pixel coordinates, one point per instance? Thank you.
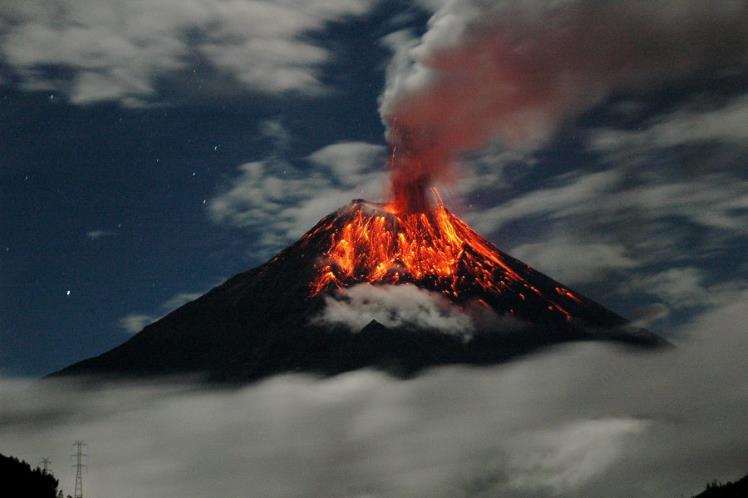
(578, 421)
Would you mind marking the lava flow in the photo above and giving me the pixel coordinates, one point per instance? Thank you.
(434, 249)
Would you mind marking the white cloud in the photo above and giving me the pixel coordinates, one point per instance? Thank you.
(275, 131)
(561, 459)
(684, 287)
(578, 421)
(350, 162)
(134, 322)
(575, 261)
(99, 234)
(716, 201)
(633, 233)
(179, 299)
(394, 306)
(283, 201)
(118, 51)
(723, 124)
(573, 192)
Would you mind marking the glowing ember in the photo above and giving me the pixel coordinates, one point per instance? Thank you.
(433, 249)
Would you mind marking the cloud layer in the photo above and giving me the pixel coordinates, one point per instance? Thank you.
(579, 421)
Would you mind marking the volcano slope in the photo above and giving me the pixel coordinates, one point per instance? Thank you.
(267, 320)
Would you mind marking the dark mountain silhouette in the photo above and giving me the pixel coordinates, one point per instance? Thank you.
(260, 322)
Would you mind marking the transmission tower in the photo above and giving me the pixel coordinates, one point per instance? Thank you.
(45, 464)
(79, 466)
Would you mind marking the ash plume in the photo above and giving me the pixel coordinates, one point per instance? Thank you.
(516, 70)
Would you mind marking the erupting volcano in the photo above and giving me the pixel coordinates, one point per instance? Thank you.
(267, 320)
(370, 243)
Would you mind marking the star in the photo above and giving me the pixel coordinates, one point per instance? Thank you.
(67, 293)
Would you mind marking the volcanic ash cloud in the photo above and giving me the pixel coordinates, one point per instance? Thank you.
(517, 69)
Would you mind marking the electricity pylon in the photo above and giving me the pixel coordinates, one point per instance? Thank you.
(45, 464)
(79, 466)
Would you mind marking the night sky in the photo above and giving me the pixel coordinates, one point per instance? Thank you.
(147, 154)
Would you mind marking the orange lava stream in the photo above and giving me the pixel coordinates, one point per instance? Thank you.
(436, 247)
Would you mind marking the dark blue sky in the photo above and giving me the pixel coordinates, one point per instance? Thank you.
(123, 202)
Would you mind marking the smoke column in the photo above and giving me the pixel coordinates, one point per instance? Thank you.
(516, 70)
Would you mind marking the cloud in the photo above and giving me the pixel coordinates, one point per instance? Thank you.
(179, 299)
(562, 459)
(99, 234)
(94, 51)
(282, 200)
(691, 125)
(575, 261)
(394, 306)
(349, 162)
(715, 201)
(685, 287)
(623, 233)
(276, 132)
(573, 192)
(135, 322)
(576, 421)
(647, 315)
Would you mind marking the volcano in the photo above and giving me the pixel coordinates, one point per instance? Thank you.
(267, 320)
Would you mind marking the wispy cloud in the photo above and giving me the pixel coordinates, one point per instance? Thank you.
(94, 50)
(574, 261)
(134, 322)
(692, 125)
(685, 287)
(612, 200)
(281, 201)
(99, 234)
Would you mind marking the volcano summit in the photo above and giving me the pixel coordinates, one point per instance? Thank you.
(276, 318)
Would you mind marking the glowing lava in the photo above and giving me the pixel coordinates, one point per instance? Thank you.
(433, 249)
